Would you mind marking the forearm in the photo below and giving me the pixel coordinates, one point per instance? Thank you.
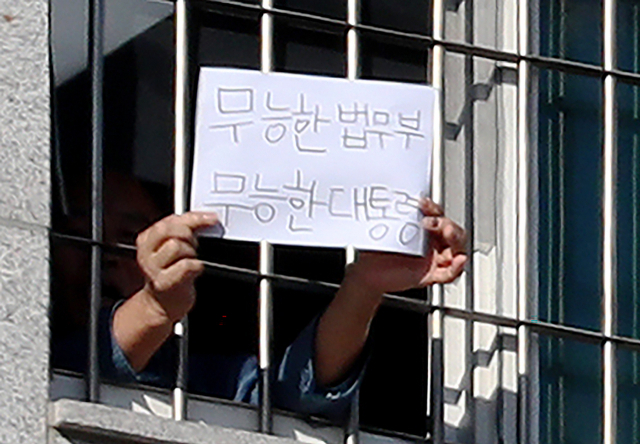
(343, 329)
(140, 329)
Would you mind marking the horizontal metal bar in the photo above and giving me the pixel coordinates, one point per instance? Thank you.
(313, 421)
(394, 301)
(342, 25)
(257, 10)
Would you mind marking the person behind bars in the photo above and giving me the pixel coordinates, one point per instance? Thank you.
(319, 372)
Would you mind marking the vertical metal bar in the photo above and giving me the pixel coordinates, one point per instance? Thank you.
(437, 378)
(352, 432)
(179, 410)
(353, 43)
(522, 228)
(635, 256)
(437, 81)
(609, 224)
(181, 111)
(352, 429)
(266, 38)
(469, 216)
(96, 62)
(609, 38)
(436, 373)
(609, 395)
(265, 335)
(523, 221)
(265, 314)
(181, 141)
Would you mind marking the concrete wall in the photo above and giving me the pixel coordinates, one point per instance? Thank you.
(24, 220)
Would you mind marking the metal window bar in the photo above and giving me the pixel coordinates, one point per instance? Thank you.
(403, 303)
(469, 210)
(555, 399)
(555, 63)
(352, 427)
(266, 258)
(523, 223)
(436, 356)
(96, 63)
(609, 225)
(181, 142)
(399, 302)
(265, 336)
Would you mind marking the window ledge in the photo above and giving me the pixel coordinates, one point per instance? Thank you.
(104, 423)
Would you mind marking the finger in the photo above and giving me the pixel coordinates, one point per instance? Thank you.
(446, 275)
(446, 232)
(152, 239)
(199, 219)
(430, 208)
(444, 257)
(180, 273)
(174, 226)
(172, 251)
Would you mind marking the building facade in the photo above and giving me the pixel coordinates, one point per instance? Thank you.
(537, 156)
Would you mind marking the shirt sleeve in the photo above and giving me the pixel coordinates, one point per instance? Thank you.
(296, 387)
(114, 365)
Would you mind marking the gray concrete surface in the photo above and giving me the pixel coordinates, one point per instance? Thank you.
(24, 220)
(24, 111)
(82, 423)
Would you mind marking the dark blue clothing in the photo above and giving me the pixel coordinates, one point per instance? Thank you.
(294, 383)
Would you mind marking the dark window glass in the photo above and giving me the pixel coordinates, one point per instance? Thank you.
(308, 51)
(69, 304)
(628, 207)
(570, 391)
(328, 8)
(223, 333)
(628, 35)
(294, 307)
(570, 184)
(317, 264)
(226, 40)
(628, 409)
(393, 394)
(402, 61)
(409, 15)
(571, 29)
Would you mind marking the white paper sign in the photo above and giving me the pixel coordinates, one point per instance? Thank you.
(313, 161)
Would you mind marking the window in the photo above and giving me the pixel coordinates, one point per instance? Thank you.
(538, 158)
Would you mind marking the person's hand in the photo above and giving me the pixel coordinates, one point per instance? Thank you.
(444, 261)
(343, 329)
(167, 258)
